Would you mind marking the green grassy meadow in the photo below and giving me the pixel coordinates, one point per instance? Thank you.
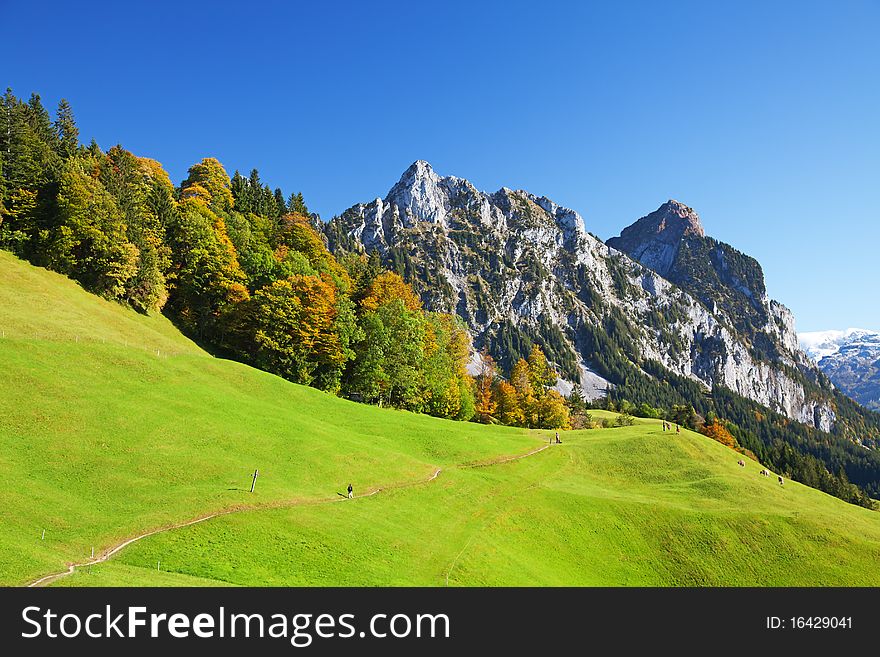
(113, 424)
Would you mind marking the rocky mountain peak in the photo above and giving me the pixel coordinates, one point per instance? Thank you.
(421, 194)
(675, 216)
(654, 239)
(420, 173)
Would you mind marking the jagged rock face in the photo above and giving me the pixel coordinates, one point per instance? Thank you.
(654, 240)
(671, 241)
(851, 359)
(517, 267)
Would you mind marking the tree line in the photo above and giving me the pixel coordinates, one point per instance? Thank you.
(237, 266)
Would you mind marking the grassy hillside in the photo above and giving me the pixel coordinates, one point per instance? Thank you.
(102, 439)
(629, 506)
(39, 305)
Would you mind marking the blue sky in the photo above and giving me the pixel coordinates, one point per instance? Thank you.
(762, 116)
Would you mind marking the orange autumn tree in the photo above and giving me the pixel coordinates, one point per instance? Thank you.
(295, 332)
(208, 182)
(485, 404)
(389, 286)
(508, 409)
(521, 380)
(717, 431)
(528, 400)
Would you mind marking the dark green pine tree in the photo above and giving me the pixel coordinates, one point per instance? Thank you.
(160, 201)
(576, 399)
(255, 193)
(29, 162)
(93, 149)
(40, 122)
(280, 205)
(297, 204)
(239, 186)
(7, 105)
(67, 134)
(267, 201)
(375, 262)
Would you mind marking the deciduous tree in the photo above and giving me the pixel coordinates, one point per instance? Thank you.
(485, 403)
(717, 431)
(389, 286)
(295, 330)
(508, 410)
(209, 181)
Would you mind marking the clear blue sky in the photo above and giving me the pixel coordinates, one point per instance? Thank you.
(764, 116)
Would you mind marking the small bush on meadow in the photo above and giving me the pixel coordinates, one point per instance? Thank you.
(624, 420)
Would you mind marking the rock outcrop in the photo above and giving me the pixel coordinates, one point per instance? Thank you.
(655, 239)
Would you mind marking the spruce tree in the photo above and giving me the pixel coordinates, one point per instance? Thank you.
(7, 106)
(297, 204)
(281, 206)
(255, 192)
(239, 186)
(39, 120)
(93, 149)
(67, 134)
(267, 201)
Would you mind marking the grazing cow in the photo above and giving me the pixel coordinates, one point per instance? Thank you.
(741, 463)
(764, 473)
(780, 479)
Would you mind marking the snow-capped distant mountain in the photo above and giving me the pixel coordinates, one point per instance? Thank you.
(851, 359)
(818, 344)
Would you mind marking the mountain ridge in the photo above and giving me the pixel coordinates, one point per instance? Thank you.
(517, 267)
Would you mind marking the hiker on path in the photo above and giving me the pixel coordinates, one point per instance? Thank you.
(350, 491)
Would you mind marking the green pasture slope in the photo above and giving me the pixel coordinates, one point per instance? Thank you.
(112, 424)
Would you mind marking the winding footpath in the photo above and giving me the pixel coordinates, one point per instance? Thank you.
(107, 554)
